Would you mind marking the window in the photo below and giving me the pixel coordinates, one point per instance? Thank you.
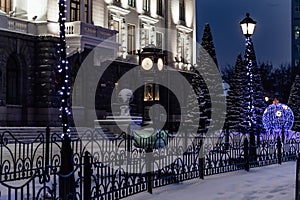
(159, 40)
(148, 92)
(181, 10)
(12, 82)
(131, 39)
(297, 32)
(297, 48)
(146, 5)
(116, 27)
(159, 8)
(131, 3)
(87, 11)
(296, 63)
(297, 8)
(75, 10)
(5, 5)
(151, 92)
(147, 41)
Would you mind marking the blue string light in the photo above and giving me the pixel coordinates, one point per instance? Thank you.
(63, 70)
(278, 116)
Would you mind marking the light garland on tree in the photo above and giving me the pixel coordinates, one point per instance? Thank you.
(278, 116)
(63, 69)
(249, 62)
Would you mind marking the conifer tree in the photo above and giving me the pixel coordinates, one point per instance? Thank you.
(294, 102)
(236, 111)
(214, 100)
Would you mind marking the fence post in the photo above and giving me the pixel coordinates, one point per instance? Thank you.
(279, 146)
(47, 152)
(201, 160)
(149, 162)
(246, 154)
(227, 138)
(66, 174)
(297, 191)
(87, 176)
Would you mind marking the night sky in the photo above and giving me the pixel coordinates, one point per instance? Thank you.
(272, 36)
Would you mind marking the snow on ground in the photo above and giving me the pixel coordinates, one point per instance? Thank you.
(275, 182)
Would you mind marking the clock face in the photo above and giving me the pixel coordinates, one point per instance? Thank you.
(147, 63)
(160, 64)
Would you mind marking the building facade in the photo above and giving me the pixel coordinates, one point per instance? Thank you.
(29, 37)
(295, 33)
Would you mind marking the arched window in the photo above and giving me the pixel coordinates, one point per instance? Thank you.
(12, 81)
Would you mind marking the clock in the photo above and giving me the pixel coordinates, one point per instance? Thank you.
(147, 64)
(160, 64)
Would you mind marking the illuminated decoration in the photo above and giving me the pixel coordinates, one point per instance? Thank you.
(147, 64)
(63, 70)
(160, 64)
(278, 116)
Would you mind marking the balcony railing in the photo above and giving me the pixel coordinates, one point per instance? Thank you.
(42, 28)
(81, 28)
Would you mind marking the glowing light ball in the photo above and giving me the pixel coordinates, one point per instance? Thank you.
(278, 116)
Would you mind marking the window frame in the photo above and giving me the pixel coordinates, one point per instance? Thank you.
(6, 5)
(131, 34)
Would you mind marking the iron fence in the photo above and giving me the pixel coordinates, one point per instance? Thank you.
(93, 166)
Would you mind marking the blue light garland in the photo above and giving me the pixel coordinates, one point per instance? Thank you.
(63, 69)
(278, 116)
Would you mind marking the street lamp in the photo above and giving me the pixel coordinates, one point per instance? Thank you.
(248, 26)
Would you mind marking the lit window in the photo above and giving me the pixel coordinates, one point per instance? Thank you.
(297, 34)
(151, 92)
(296, 62)
(146, 5)
(131, 39)
(5, 5)
(148, 92)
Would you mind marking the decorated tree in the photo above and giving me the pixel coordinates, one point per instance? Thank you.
(255, 93)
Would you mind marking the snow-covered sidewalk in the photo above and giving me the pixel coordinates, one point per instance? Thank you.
(270, 182)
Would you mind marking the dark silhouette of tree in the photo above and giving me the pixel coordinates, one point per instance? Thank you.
(294, 102)
(214, 107)
(236, 103)
(208, 44)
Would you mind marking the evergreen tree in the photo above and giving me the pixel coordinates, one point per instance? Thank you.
(195, 106)
(214, 105)
(236, 110)
(294, 102)
(255, 89)
(208, 44)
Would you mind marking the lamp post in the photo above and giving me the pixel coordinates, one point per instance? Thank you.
(248, 26)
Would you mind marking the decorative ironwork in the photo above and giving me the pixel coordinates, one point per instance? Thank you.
(116, 168)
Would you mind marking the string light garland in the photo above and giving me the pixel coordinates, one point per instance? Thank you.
(63, 70)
